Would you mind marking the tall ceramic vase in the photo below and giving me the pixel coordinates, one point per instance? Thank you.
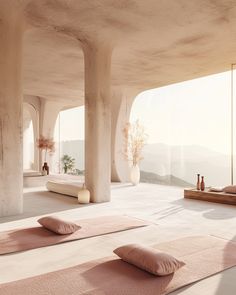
(135, 174)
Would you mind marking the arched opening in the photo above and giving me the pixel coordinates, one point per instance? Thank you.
(189, 131)
(30, 131)
(28, 138)
(69, 138)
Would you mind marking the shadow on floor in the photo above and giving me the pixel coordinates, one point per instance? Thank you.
(226, 283)
(121, 185)
(44, 202)
(210, 210)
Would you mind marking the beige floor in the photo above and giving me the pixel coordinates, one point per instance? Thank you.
(170, 214)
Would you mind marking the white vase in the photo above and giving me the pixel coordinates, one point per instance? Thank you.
(135, 174)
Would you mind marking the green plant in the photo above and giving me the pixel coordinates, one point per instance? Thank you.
(68, 163)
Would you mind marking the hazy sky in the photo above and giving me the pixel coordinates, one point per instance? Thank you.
(72, 124)
(191, 112)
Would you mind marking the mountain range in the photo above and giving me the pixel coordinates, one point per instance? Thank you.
(177, 165)
(185, 162)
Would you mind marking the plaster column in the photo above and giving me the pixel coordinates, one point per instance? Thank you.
(11, 101)
(97, 122)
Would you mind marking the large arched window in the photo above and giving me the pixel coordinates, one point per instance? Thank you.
(69, 136)
(189, 131)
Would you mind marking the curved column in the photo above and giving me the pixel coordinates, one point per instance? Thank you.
(97, 121)
(11, 100)
(115, 109)
(49, 112)
(121, 107)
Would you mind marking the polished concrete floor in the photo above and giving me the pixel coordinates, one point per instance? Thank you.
(170, 215)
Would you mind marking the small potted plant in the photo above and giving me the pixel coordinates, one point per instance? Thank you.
(68, 163)
(134, 141)
(48, 145)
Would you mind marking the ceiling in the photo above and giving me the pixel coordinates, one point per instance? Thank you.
(155, 43)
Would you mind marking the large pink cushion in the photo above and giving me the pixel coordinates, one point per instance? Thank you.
(149, 259)
(231, 189)
(58, 225)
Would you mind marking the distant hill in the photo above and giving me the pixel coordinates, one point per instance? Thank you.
(177, 165)
(184, 162)
(150, 177)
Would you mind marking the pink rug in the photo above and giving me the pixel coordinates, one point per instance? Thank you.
(204, 256)
(36, 237)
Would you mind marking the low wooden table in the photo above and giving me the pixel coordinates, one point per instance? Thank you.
(216, 197)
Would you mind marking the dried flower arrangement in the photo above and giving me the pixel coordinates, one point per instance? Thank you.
(46, 144)
(134, 141)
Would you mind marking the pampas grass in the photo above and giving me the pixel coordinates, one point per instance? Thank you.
(47, 144)
(134, 141)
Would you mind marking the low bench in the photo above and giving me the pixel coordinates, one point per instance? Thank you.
(216, 197)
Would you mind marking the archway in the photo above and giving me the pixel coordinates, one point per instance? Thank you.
(189, 132)
(30, 134)
(69, 139)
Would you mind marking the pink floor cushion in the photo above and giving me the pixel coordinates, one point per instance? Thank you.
(149, 259)
(231, 189)
(58, 225)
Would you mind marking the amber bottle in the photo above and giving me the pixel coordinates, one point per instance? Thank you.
(198, 182)
(202, 184)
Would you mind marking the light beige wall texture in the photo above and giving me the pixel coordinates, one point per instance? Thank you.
(11, 32)
(97, 121)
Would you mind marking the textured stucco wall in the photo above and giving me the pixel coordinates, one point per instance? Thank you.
(98, 121)
(11, 166)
